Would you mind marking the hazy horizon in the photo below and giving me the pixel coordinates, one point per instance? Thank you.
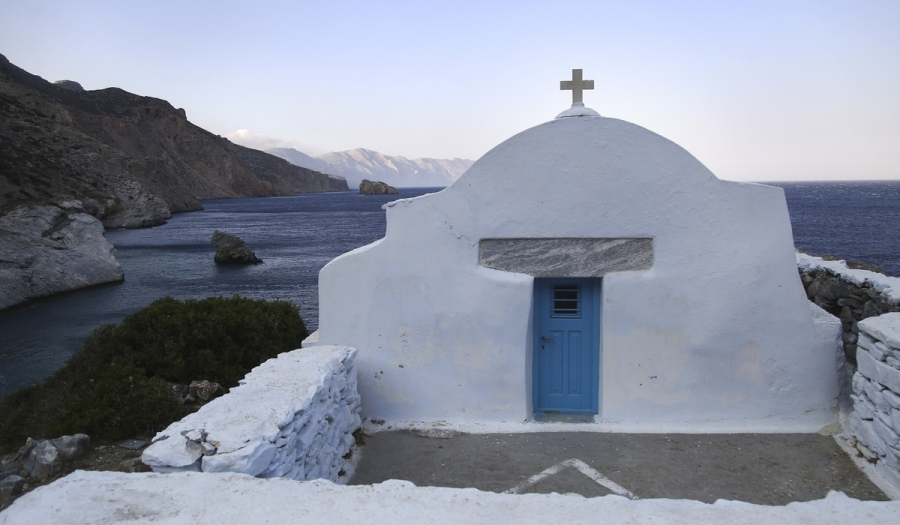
(762, 91)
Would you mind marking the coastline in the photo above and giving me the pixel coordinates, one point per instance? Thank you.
(51, 250)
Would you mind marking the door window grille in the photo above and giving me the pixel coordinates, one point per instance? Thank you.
(566, 301)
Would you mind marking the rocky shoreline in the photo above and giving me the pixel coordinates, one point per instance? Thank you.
(74, 163)
(45, 250)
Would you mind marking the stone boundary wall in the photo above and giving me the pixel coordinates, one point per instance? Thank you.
(875, 421)
(292, 416)
(117, 497)
(849, 294)
(868, 305)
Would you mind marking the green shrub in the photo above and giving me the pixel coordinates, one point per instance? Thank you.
(117, 383)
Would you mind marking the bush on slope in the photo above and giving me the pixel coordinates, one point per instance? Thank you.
(117, 384)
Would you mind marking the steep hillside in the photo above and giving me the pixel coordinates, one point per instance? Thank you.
(280, 173)
(124, 151)
(358, 164)
(73, 162)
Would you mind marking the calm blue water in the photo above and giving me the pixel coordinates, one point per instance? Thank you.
(856, 221)
(296, 236)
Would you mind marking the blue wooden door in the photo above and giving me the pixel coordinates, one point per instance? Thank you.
(567, 349)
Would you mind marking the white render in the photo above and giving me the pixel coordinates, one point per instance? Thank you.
(716, 335)
(875, 420)
(116, 497)
(292, 416)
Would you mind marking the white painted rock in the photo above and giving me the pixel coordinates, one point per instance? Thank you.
(885, 328)
(174, 453)
(215, 499)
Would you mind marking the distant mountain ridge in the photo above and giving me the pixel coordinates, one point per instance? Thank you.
(358, 164)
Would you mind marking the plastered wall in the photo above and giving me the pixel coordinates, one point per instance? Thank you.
(716, 334)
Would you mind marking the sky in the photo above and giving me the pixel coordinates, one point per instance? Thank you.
(756, 90)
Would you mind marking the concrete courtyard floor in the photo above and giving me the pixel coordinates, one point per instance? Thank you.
(768, 469)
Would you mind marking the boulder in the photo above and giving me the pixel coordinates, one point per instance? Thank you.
(369, 187)
(173, 454)
(71, 447)
(10, 485)
(232, 249)
(40, 460)
(204, 389)
(43, 461)
(19, 457)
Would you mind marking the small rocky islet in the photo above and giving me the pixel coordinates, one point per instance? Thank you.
(231, 249)
(369, 187)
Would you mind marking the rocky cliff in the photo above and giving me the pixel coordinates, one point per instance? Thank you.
(126, 160)
(49, 249)
(138, 158)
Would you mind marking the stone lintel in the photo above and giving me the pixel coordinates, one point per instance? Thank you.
(566, 257)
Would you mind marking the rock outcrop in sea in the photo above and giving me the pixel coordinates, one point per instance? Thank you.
(231, 249)
(369, 187)
(128, 161)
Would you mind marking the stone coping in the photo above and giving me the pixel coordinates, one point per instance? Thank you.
(885, 327)
(204, 498)
(889, 287)
(266, 399)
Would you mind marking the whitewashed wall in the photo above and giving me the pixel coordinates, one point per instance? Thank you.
(292, 416)
(875, 421)
(716, 334)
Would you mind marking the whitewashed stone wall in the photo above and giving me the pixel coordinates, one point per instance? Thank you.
(292, 416)
(875, 421)
(851, 294)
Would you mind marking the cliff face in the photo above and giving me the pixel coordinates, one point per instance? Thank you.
(48, 249)
(123, 159)
(137, 157)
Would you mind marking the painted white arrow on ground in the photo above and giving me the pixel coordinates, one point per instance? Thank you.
(580, 466)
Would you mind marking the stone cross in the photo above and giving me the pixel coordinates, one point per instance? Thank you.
(576, 85)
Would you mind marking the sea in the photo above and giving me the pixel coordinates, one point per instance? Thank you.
(297, 235)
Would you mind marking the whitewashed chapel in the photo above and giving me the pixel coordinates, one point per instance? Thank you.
(585, 266)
